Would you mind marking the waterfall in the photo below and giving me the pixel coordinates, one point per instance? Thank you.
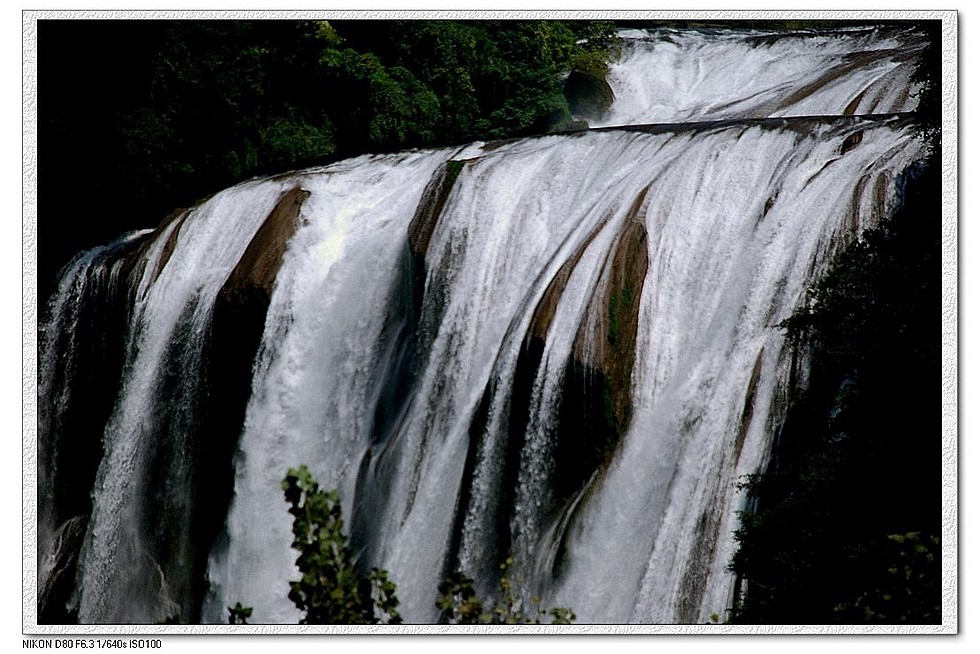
(561, 349)
(675, 76)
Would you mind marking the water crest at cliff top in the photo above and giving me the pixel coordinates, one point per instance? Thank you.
(562, 349)
(673, 76)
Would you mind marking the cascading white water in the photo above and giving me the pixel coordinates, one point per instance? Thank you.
(317, 370)
(119, 576)
(390, 368)
(653, 540)
(726, 268)
(89, 281)
(673, 76)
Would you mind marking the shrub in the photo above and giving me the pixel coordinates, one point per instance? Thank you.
(330, 590)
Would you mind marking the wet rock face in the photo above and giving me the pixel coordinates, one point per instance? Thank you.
(430, 208)
(239, 312)
(55, 588)
(589, 97)
(627, 272)
(236, 331)
(562, 122)
(256, 271)
(596, 407)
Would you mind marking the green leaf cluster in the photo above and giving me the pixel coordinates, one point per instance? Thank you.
(908, 588)
(239, 614)
(421, 83)
(331, 591)
(460, 604)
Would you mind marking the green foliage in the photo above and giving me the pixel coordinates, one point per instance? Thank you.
(383, 595)
(928, 75)
(285, 142)
(908, 589)
(458, 601)
(460, 604)
(239, 614)
(330, 590)
(859, 456)
(227, 95)
(835, 530)
(454, 81)
(137, 118)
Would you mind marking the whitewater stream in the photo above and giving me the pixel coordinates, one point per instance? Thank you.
(561, 349)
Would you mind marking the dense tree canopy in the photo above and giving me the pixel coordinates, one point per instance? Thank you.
(858, 461)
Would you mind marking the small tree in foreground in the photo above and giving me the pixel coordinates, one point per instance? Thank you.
(460, 605)
(239, 614)
(330, 590)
